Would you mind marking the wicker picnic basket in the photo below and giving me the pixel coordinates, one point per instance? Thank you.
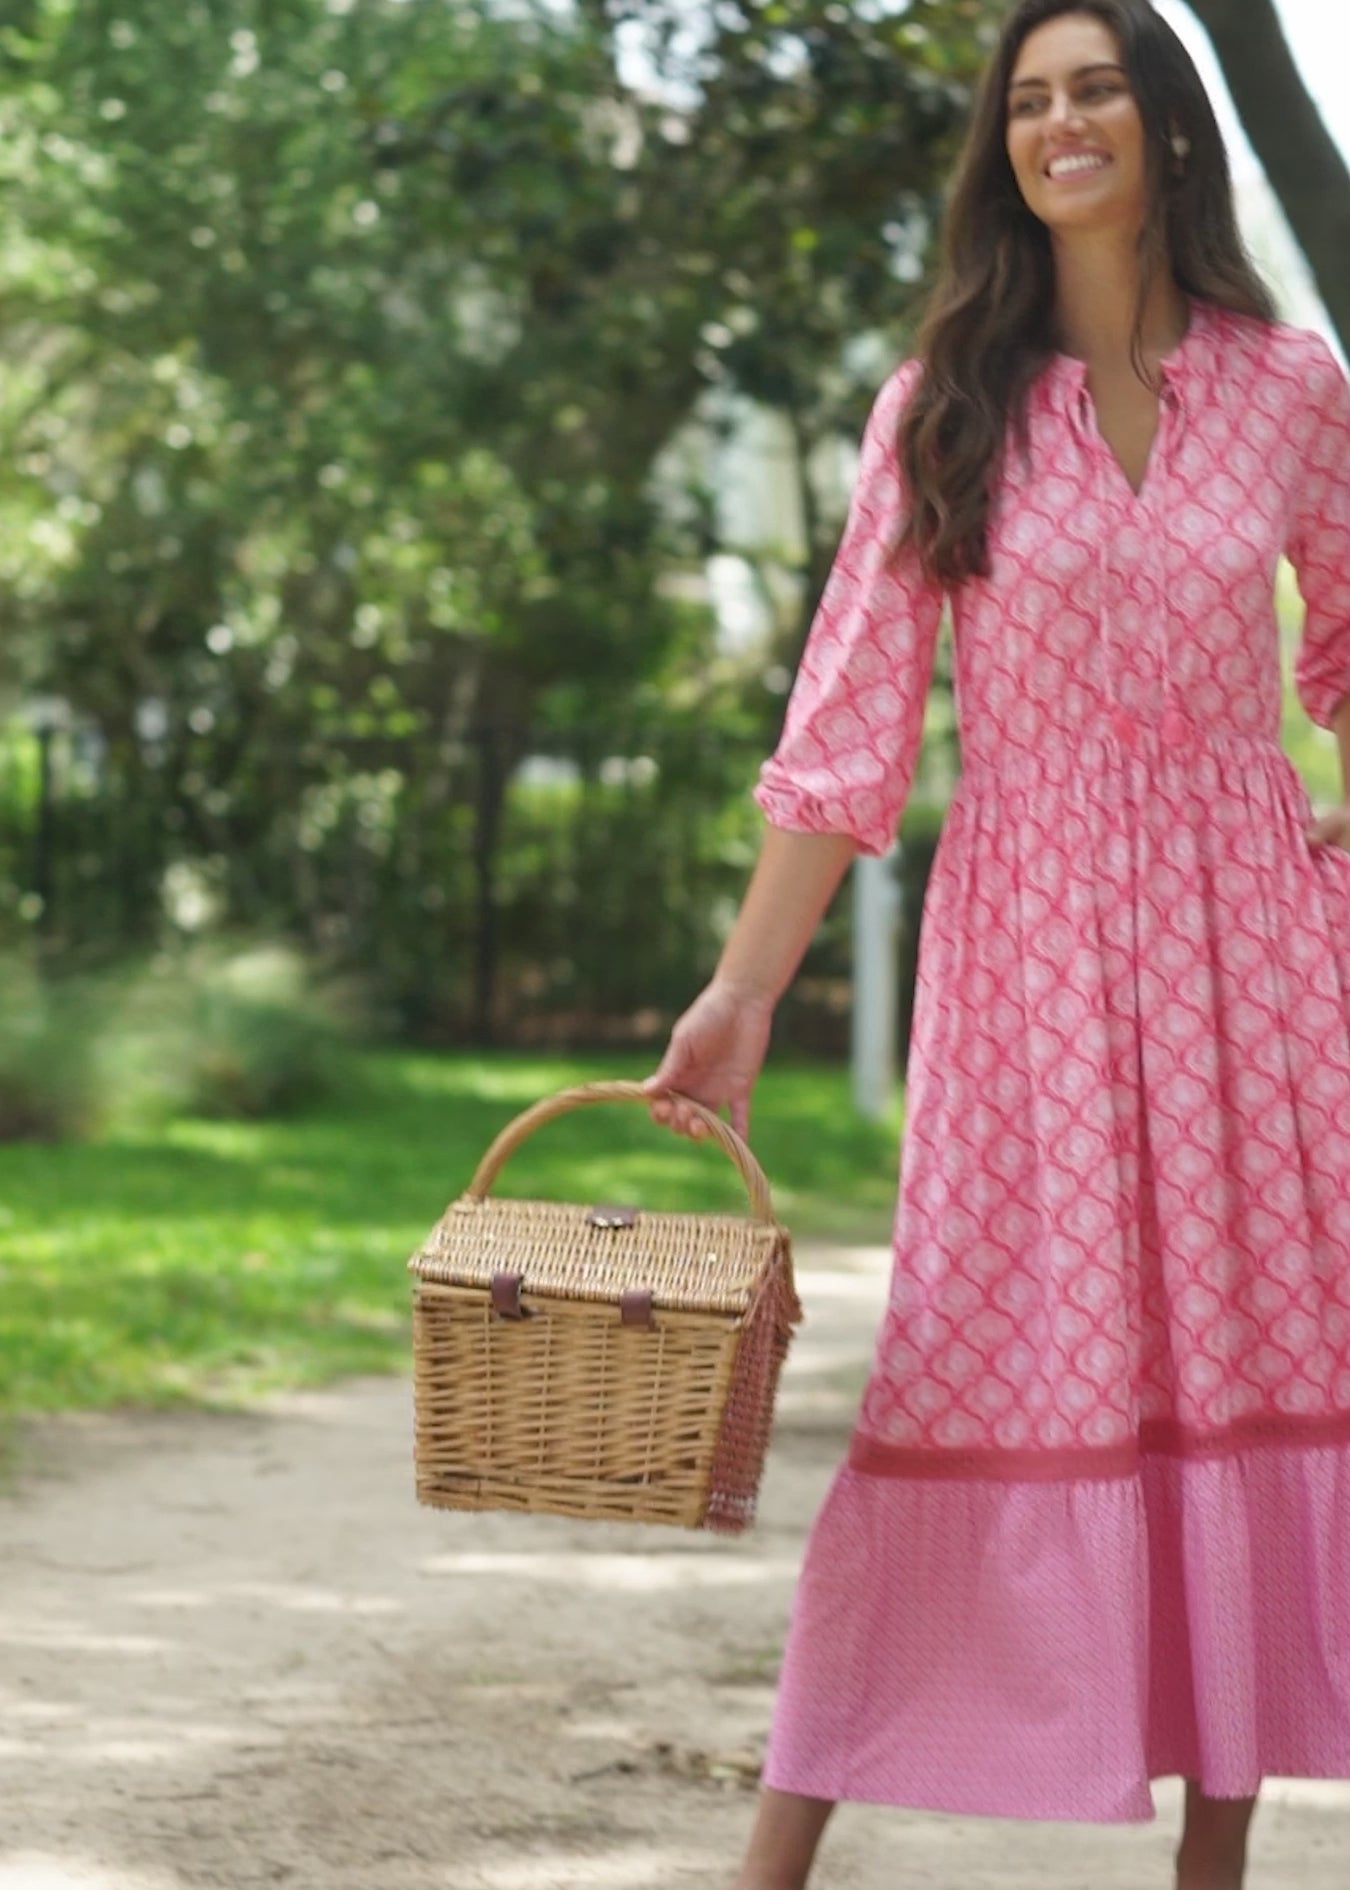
(599, 1361)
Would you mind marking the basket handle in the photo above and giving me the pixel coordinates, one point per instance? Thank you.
(565, 1100)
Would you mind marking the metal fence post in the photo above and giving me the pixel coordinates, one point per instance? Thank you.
(44, 840)
(487, 810)
(876, 920)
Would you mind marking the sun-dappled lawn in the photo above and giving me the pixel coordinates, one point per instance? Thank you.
(211, 1260)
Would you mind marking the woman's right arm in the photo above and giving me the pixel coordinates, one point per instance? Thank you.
(834, 786)
(717, 1047)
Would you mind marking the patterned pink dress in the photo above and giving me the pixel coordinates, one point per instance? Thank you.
(1094, 1524)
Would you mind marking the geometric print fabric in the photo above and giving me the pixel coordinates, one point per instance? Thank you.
(1124, 1215)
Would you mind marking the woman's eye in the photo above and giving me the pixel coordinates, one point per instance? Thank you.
(1090, 94)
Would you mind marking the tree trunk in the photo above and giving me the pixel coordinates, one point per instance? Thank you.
(1301, 159)
(818, 554)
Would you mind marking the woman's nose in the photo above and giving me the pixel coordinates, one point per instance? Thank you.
(1065, 115)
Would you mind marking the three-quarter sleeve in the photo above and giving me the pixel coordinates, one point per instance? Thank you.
(1319, 539)
(854, 721)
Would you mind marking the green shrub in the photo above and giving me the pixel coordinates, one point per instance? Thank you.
(48, 1054)
(212, 1031)
(244, 1032)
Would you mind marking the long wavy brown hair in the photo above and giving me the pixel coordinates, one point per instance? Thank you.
(988, 330)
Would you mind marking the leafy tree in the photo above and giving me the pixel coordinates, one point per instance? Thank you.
(345, 341)
(1300, 157)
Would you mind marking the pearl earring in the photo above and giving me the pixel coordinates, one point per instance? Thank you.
(1181, 147)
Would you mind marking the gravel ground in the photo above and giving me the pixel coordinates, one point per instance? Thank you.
(233, 1652)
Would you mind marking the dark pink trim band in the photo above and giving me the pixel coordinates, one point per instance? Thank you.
(1159, 1438)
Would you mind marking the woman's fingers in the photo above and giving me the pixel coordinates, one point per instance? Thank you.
(664, 1078)
(673, 1112)
(704, 1063)
(1332, 829)
(662, 1107)
(688, 1123)
(666, 1075)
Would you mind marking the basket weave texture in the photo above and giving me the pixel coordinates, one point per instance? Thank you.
(597, 1361)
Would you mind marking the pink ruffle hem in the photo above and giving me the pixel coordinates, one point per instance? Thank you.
(1042, 1649)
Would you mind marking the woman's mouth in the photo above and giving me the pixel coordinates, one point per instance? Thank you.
(1074, 164)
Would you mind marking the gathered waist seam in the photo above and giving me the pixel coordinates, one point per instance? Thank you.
(1083, 757)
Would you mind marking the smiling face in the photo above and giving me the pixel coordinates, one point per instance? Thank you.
(1075, 137)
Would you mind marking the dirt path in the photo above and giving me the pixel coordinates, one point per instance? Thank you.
(233, 1652)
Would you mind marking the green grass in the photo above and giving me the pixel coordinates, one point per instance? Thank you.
(209, 1261)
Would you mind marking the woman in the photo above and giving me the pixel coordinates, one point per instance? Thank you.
(1094, 1525)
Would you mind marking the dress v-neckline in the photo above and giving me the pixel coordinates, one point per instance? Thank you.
(1169, 368)
(1151, 462)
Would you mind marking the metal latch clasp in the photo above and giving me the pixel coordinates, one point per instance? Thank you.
(612, 1217)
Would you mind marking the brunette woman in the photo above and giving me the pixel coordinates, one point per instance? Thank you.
(1094, 1523)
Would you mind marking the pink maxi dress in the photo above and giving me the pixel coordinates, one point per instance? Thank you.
(1094, 1523)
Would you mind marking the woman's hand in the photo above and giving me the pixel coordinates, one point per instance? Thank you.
(717, 1047)
(1333, 829)
(715, 1053)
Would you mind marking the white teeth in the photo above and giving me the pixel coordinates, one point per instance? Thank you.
(1076, 166)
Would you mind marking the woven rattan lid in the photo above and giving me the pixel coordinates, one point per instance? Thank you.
(591, 1251)
(689, 1262)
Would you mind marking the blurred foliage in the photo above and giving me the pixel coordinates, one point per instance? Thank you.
(585, 910)
(347, 346)
(47, 1060)
(370, 366)
(1312, 750)
(347, 336)
(218, 1031)
(211, 1031)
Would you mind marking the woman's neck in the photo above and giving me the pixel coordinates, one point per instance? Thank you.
(1096, 287)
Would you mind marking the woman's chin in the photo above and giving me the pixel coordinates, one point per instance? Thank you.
(1091, 219)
